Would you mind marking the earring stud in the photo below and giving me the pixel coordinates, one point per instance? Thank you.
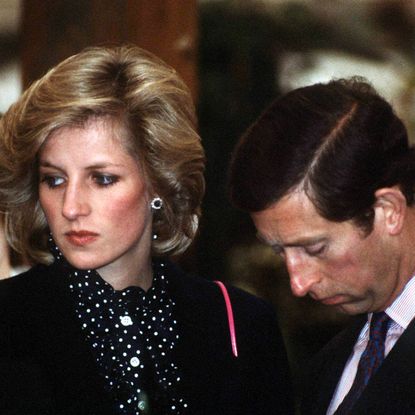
(156, 203)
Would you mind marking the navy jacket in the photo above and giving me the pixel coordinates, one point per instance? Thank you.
(46, 367)
(390, 391)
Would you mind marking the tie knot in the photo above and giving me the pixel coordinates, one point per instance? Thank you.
(379, 325)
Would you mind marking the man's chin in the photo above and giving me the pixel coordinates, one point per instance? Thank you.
(334, 301)
(352, 308)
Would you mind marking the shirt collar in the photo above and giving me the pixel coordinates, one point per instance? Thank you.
(402, 310)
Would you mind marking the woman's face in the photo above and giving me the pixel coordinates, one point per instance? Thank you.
(96, 201)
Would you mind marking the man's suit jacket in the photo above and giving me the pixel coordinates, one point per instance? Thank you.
(46, 367)
(390, 391)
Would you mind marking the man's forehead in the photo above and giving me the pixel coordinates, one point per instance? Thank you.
(293, 202)
(293, 220)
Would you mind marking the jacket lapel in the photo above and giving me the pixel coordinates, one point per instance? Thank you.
(391, 390)
(327, 368)
(63, 350)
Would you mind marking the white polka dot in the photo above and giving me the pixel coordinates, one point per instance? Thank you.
(134, 361)
(126, 321)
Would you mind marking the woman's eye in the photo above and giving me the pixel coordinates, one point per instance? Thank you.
(52, 181)
(105, 179)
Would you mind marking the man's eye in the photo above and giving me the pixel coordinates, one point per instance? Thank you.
(105, 179)
(52, 181)
(279, 251)
(315, 250)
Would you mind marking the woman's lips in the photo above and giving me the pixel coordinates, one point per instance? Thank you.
(81, 238)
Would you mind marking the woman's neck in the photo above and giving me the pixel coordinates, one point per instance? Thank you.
(128, 276)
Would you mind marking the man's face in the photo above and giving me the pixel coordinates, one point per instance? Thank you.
(334, 262)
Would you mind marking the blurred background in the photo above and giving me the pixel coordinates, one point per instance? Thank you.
(236, 56)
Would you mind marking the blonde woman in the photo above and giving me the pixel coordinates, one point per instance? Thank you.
(101, 176)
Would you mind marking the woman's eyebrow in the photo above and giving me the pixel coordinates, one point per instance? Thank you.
(95, 166)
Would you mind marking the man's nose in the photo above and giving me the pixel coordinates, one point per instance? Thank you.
(303, 274)
(75, 202)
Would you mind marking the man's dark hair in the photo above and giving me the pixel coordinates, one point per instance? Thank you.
(339, 142)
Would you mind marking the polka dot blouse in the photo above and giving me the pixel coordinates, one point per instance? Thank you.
(132, 334)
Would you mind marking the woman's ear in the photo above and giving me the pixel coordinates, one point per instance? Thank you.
(391, 206)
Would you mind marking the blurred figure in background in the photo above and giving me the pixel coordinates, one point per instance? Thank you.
(328, 177)
(101, 176)
(11, 263)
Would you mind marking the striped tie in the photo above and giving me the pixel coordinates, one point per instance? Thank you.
(369, 362)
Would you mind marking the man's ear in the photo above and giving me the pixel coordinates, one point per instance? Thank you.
(390, 205)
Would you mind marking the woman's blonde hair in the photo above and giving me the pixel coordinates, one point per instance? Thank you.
(148, 99)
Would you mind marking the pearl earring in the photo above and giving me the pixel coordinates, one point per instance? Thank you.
(156, 203)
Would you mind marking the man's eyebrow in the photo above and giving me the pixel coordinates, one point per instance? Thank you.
(299, 242)
(272, 244)
(262, 239)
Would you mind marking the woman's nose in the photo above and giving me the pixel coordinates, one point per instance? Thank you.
(75, 202)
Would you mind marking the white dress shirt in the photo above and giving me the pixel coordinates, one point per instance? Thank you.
(401, 311)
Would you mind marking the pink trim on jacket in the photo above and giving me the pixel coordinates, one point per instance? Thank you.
(230, 317)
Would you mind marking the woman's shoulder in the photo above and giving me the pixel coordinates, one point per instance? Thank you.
(207, 294)
(21, 290)
(24, 276)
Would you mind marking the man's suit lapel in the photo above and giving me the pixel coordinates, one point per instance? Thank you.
(335, 359)
(326, 369)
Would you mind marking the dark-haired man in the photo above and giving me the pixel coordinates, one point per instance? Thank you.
(328, 178)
